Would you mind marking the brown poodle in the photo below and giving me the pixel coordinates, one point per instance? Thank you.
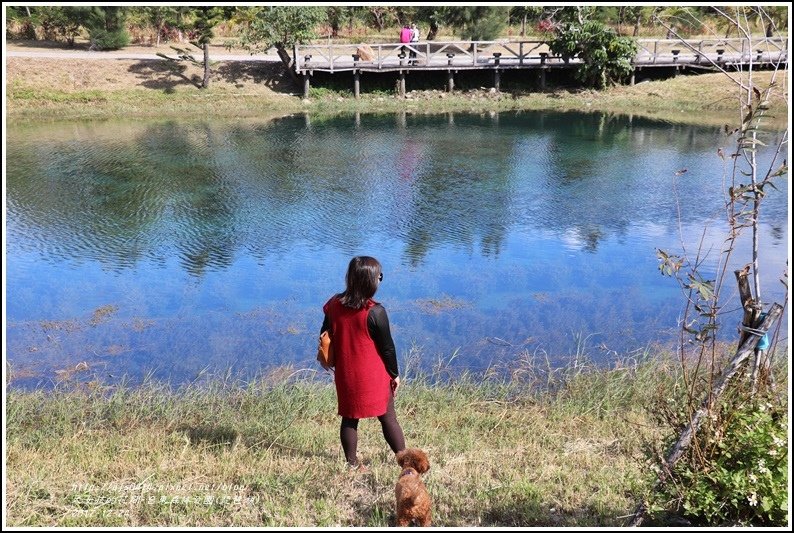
(413, 501)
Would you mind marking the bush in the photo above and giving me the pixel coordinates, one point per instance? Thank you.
(102, 39)
(736, 472)
(606, 57)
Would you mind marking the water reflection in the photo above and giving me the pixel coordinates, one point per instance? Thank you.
(228, 237)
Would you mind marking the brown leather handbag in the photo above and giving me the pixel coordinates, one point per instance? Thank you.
(325, 351)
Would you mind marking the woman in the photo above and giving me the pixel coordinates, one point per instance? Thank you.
(366, 373)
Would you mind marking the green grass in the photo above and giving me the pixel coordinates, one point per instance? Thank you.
(542, 447)
(704, 99)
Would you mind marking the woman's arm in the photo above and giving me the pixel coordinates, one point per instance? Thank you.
(378, 326)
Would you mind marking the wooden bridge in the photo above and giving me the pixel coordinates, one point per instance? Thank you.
(533, 55)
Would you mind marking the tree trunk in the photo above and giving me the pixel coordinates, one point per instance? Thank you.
(206, 82)
(770, 29)
(637, 26)
(524, 26)
(433, 31)
(286, 59)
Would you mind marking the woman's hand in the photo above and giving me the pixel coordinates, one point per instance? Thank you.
(395, 384)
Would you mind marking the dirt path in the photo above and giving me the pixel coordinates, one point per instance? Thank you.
(53, 50)
(121, 54)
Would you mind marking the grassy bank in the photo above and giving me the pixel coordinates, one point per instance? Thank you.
(58, 89)
(544, 448)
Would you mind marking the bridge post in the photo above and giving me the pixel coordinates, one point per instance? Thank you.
(542, 79)
(450, 81)
(356, 78)
(306, 76)
(401, 84)
(496, 80)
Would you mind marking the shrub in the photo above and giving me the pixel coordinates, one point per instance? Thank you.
(102, 39)
(606, 57)
(736, 472)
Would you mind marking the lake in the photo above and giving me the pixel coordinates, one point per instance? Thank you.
(175, 249)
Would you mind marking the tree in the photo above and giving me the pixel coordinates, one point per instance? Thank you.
(636, 14)
(335, 17)
(106, 28)
(525, 13)
(681, 21)
(160, 17)
(380, 15)
(433, 17)
(477, 23)
(606, 57)
(59, 22)
(206, 19)
(281, 27)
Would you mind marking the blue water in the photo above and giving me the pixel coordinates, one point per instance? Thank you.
(175, 248)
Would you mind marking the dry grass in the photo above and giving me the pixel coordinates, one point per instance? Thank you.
(544, 448)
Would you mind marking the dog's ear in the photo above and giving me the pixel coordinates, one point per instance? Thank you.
(401, 457)
(421, 462)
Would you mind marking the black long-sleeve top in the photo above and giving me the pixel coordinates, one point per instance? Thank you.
(378, 327)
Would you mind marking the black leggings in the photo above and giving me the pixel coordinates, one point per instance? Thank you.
(348, 433)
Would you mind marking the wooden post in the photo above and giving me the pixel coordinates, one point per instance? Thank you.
(306, 75)
(633, 73)
(401, 84)
(496, 80)
(745, 350)
(450, 81)
(752, 315)
(542, 79)
(356, 84)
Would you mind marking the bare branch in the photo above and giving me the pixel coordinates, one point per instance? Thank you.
(693, 49)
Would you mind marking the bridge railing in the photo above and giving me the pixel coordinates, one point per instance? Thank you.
(665, 50)
(461, 54)
(333, 57)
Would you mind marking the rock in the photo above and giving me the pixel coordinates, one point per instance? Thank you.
(365, 52)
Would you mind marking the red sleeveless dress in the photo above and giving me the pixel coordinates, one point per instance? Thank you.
(363, 386)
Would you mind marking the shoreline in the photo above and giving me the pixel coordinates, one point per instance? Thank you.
(85, 89)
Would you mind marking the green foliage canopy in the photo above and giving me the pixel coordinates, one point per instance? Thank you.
(281, 26)
(606, 57)
(477, 23)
